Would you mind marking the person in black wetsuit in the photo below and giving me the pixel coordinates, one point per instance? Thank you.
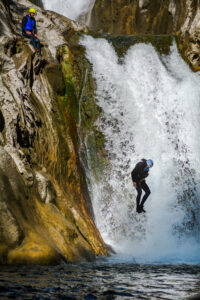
(138, 175)
(29, 30)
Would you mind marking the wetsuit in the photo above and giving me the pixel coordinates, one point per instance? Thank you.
(29, 24)
(138, 175)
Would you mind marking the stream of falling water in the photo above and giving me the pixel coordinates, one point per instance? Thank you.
(150, 109)
(75, 10)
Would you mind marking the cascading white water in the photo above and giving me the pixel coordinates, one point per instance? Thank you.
(150, 109)
(76, 9)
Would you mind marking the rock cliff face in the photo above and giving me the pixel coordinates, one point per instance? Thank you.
(153, 17)
(45, 210)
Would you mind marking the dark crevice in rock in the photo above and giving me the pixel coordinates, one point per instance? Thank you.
(88, 254)
(78, 229)
(26, 125)
(22, 135)
(24, 72)
(31, 74)
(39, 65)
(55, 78)
(10, 48)
(2, 122)
(195, 56)
(38, 122)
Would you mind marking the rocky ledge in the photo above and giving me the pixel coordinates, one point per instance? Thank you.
(135, 17)
(45, 210)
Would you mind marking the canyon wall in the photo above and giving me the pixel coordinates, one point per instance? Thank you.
(136, 17)
(46, 214)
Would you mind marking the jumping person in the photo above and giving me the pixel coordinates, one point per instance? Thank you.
(138, 175)
(29, 30)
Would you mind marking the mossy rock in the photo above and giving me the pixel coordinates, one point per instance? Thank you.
(54, 75)
(121, 44)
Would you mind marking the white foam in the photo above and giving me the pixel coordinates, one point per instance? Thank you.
(151, 109)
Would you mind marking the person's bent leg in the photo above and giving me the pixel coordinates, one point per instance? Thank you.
(38, 45)
(31, 37)
(33, 41)
(145, 187)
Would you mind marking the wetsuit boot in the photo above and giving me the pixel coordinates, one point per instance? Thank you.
(142, 210)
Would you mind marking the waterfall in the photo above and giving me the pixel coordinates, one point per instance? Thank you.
(75, 10)
(150, 109)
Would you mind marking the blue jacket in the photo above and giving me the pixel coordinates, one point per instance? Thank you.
(28, 24)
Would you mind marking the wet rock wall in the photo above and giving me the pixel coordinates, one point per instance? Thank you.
(45, 210)
(135, 17)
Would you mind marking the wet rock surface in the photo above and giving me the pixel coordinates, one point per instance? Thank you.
(45, 210)
(152, 17)
(47, 122)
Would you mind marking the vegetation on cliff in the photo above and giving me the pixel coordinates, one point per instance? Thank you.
(45, 209)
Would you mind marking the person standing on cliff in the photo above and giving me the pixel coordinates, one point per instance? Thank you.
(138, 175)
(29, 30)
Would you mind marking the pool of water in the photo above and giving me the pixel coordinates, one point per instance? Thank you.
(100, 280)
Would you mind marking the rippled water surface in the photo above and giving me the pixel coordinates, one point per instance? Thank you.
(100, 280)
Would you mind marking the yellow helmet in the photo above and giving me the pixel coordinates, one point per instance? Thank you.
(32, 10)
